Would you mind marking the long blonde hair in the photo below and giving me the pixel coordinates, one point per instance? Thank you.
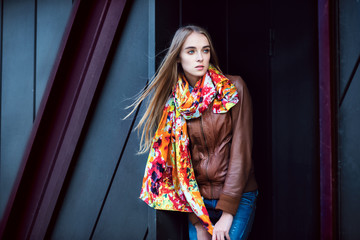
(162, 84)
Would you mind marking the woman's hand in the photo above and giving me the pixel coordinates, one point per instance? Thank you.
(201, 232)
(222, 227)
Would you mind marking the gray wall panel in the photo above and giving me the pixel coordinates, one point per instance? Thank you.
(349, 160)
(104, 141)
(17, 82)
(349, 118)
(52, 16)
(349, 47)
(125, 215)
(31, 36)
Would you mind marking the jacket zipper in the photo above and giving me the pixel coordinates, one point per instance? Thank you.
(208, 159)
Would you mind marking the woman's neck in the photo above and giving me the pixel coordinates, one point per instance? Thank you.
(192, 80)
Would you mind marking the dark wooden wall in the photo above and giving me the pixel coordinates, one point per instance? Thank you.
(104, 182)
(31, 31)
(273, 46)
(80, 176)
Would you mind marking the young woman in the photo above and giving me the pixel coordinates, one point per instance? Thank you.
(198, 127)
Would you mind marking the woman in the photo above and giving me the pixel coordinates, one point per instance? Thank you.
(200, 154)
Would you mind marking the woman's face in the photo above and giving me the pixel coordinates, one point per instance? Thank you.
(195, 57)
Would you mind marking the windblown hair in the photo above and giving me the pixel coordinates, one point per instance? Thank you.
(162, 84)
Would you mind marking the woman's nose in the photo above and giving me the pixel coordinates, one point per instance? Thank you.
(199, 57)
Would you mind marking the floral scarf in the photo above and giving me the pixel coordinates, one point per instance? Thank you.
(169, 182)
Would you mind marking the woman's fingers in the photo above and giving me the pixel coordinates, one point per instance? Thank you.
(222, 227)
(220, 235)
(227, 236)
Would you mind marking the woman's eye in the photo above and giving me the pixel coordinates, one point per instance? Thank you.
(206, 50)
(191, 52)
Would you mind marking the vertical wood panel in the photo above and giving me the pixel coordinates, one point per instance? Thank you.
(295, 121)
(203, 13)
(52, 16)
(248, 44)
(103, 143)
(327, 108)
(17, 88)
(2, 201)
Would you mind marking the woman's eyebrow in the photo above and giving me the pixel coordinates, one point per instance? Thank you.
(190, 47)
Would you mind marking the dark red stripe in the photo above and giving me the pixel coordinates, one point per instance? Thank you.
(326, 123)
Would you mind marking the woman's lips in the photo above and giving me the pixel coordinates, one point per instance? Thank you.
(200, 67)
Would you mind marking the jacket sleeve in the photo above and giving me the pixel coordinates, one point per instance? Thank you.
(240, 162)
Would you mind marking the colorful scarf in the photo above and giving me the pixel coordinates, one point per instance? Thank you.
(169, 182)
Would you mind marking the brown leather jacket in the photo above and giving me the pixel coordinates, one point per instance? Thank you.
(221, 146)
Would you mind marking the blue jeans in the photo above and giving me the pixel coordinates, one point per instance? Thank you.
(242, 222)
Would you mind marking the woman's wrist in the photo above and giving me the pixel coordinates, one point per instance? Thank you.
(198, 225)
(227, 215)
(201, 232)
